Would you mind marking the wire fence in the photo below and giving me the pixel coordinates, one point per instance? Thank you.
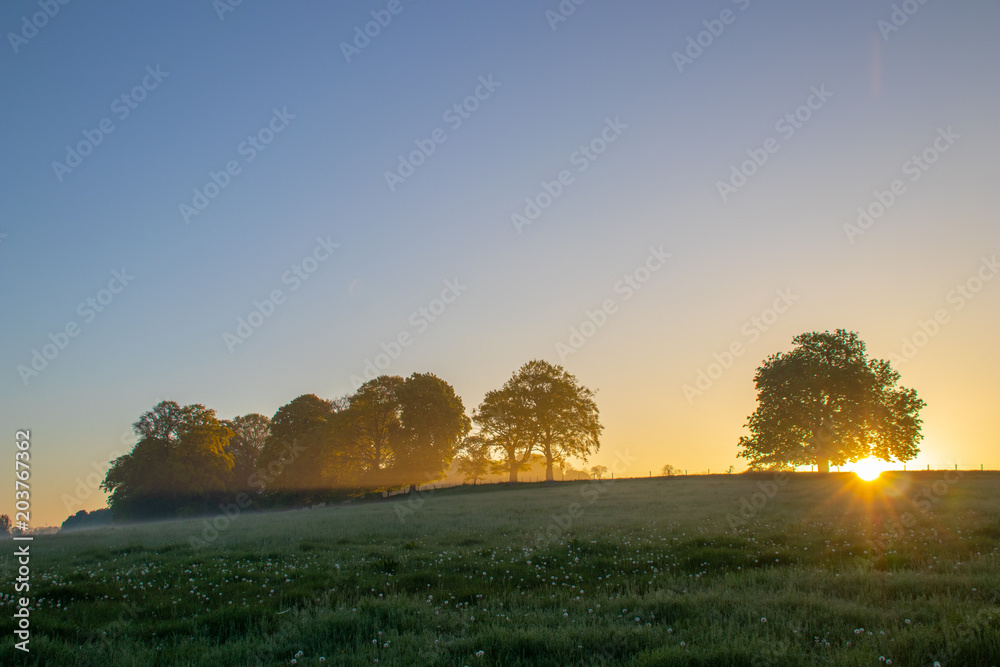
(530, 479)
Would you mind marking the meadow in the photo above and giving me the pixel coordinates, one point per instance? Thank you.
(752, 570)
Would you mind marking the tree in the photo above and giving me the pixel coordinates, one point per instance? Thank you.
(180, 462)
(326, 465)
(82, 519)
(433, 424)
(540, 408)
(288, 425)
(825, 402)
(564, 415)
(473, 459)
(505, 424)
(668, 470)
(4, 525)
(377, 430)
(250, 433)
(407, 431)
(598, 471)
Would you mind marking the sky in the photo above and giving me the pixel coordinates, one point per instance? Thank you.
(236, 204)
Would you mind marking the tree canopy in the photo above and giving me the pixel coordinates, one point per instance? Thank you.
(825, 402)
(392, 434)
(542, 409)
(180, 462)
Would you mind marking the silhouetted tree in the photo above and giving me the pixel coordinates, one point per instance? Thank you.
(288, 425)
(376, 427)
(505, 424)
(433, 424)
(598, 471)
(406, 431)
(473, 459)
(825, 402)
(541, 408)
(180, 462)
(564, 415)
(250, 433)
(327, 465)
(83, 519)
(4, 525)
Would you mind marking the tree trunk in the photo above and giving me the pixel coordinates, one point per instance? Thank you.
(513, 473)
(549, 476)
(821, 438)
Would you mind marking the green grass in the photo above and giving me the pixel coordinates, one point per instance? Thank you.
(632, 572)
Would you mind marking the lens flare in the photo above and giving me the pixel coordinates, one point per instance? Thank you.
(869, 469)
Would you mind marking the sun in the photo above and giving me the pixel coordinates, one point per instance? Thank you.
(869, 469)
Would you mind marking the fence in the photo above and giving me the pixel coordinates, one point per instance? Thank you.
(685, 473)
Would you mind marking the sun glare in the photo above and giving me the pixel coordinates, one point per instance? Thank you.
(869, 469)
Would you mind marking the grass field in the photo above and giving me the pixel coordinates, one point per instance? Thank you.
(708, 570)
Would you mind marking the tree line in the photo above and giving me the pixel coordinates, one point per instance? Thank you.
(392, 434)
(825, 402)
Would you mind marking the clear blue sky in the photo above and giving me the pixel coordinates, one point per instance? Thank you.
(323, 177)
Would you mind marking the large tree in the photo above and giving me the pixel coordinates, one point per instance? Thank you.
(180, 462)
(406, 431)
(542, 409)
(288, 427)
(376, 429)
(564, 416)
(825, 402)
(433, 424)
(504, 422)
(327, 465)
(250, 433)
